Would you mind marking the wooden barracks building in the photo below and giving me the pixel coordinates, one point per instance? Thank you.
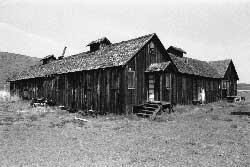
(114, 77)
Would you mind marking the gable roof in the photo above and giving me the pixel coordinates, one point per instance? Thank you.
(113, 55)
(194, 67)
(221, 66)
(155, 67)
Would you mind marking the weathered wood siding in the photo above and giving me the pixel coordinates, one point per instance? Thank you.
(139, 64)
(185, 88)
(231, 77)
(97, 89)
(107, 89)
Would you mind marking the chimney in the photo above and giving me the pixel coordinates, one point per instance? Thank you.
(63, 53)
(99, 44)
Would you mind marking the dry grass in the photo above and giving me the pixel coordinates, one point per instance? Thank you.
(192, 136)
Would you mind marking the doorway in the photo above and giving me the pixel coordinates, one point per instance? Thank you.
(151, 95)
(154, 89)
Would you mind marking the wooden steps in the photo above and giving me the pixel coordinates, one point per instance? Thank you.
(143, 115)
(147, 111)
(151, 109)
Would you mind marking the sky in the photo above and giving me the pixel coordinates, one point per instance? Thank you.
(206, 29)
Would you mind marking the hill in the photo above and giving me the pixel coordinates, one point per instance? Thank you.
(243, 86)
(11, 63)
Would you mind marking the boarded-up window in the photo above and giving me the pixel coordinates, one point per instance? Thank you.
(114, 79)
(167, 80)
(89, 83)
(61, 82)
(184, 84)
(131, 79)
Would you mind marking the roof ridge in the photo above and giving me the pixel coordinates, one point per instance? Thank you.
(220, 60)
(204, 62)
(196, 67)
(114, 55)
(152, 34)
(113, 44)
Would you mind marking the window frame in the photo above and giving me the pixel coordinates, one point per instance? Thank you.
(167, 78)
(133, 79)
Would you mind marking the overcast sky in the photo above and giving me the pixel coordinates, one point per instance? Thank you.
(206, 29)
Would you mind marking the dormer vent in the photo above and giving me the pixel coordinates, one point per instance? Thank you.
(98, 44)
(48, 59)
(176, 51)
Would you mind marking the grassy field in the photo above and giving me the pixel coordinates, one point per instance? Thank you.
(243, 86)
(216, 134)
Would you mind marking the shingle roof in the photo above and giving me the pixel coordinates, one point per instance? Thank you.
(194, 67)
(221, 66)
(113, 55)
(181, 65)
(158, 67)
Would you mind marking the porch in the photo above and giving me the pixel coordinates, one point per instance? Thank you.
(158, 82)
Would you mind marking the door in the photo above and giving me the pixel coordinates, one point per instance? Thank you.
(154, 87)
(151, 87)
(225, 88)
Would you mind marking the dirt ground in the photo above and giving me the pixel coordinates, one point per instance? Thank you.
(215, 134)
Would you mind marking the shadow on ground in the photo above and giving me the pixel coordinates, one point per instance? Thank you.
(240, 113)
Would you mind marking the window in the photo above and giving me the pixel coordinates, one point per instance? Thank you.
(131, 79)
(151, 48)
(167, 81)
(224, 84)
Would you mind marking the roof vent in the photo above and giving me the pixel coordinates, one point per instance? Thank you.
(98, 44)
(176, 51)
(48, 59)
